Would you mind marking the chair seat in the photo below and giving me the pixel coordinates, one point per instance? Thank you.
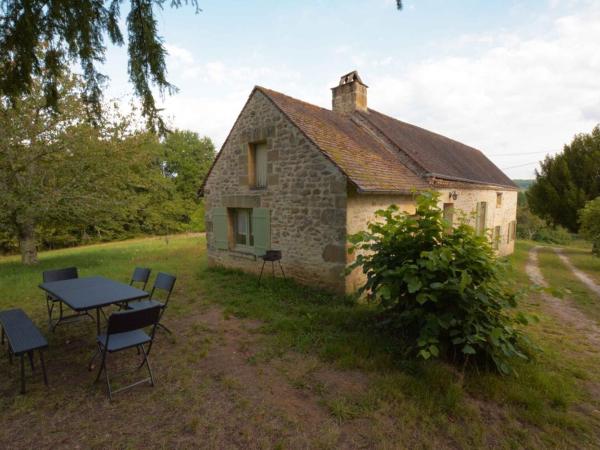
(121, 341)
(144, 304)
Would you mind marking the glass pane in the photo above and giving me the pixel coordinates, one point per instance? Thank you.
(260, 165)
(241, 226)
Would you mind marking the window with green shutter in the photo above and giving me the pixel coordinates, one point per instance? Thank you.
(261, 228)
(220, 228)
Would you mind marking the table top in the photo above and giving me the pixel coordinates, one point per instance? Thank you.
(86, 293)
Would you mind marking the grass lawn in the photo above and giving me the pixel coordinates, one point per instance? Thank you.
(283, 366)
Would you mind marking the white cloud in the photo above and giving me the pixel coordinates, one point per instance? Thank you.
(518, 95)
(504, 91)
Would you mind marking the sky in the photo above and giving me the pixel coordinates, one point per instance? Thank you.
(516, 79)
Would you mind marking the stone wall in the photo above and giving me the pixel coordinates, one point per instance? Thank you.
(305, 193)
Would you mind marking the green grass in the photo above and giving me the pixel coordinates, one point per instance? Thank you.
(583, 259)
(378, 399)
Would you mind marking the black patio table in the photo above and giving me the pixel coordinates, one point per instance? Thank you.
(87, 293)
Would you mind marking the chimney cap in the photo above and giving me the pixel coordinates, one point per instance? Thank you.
(351, 77)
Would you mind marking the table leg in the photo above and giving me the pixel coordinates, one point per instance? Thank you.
(22, 373)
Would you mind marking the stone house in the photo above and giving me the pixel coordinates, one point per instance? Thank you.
(300, 178)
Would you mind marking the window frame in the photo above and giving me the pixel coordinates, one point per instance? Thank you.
(248, 245)
(253, 149)
(497, 237)
(499, 199)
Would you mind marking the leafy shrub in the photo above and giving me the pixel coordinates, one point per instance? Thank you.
(444, 292)
(530, 226)
(589, 218)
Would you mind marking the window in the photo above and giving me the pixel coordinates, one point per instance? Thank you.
(498, 199)
(242, 228)
(257, 165)
(496, 237)
(449, 213)
(481, 217)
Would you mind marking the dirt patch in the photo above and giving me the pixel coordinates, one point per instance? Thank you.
(562, 309)
(584, 278)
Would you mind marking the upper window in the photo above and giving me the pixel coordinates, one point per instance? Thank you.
(498, 199)
(257, 165)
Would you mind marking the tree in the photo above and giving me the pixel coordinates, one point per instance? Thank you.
(567, 180)
(589, 218)
(54, 167)
(187, 160)
(444, 293)
(75, 30)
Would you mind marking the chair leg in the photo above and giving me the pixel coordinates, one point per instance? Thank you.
(102, 366)
(164, 328)
(147, 361)
(22, 374)
(107, 381)
(43, 367)
(91, 363)
(273, 269)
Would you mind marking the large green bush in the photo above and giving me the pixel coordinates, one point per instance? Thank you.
(589, 218)
(444, 292)
(530, 226)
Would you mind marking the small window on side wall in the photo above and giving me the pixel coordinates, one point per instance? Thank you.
(257, 165)
(498, 199)
(496, 237)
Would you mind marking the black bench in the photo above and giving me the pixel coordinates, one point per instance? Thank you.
(23, 338)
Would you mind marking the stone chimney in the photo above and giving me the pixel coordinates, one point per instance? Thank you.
(350, 95)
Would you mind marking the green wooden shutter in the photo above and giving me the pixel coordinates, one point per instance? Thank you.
(261, 229)
(220, 225)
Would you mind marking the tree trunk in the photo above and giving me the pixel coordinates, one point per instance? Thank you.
(28, 245)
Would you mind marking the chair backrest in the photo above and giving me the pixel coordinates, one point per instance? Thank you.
(134, 319)
(67, 273)
(140, 275)
(164, 282)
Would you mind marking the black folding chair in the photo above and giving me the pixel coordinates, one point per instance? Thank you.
(67, 273)
(125, 330)
(140, 275)
(164, 282)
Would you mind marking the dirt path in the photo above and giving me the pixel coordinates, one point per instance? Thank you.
(584, 278)
(562, 308)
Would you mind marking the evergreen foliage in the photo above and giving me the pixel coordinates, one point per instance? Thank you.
(75, 30)
(443, 292)
(567, 181)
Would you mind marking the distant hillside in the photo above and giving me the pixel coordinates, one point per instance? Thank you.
(523, 184)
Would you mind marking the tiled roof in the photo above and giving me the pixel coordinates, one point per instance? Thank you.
(369, 164)
(381, 154)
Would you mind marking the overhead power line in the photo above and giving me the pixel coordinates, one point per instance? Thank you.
(518, 154)
(521, 165)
